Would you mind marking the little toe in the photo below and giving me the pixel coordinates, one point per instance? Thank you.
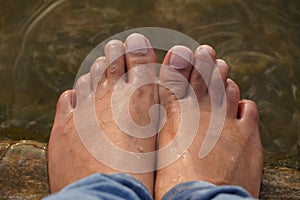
(175, 72)
(64, 107)
(204, 66)
(140, 58)
(83, 89)
(98, 72)
(232, 99)
(114, 52)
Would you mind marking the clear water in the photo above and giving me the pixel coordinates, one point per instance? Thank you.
(43, 43)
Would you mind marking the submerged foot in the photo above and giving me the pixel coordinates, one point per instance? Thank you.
(68, 158)
(236, 158)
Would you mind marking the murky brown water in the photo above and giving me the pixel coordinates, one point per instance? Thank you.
(43, 43)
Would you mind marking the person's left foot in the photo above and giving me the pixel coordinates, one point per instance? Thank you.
(236, 157)
(68, 159)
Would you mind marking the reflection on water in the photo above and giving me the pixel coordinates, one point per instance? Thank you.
(42, 44)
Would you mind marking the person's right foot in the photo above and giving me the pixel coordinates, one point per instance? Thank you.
(69, 158)
(237, 157)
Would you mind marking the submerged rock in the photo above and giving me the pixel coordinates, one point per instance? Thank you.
(23, 170)
(23, 174)
(280, 183)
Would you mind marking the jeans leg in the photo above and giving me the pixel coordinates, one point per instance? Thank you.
(199, 190)
(104, 187)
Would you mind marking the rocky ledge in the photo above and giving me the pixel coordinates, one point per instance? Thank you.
(23, 174)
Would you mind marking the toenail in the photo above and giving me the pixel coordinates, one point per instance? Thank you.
(115, 51)
(207, 50)
(202, 49)
(221, 62)
(114, 42)
(181, 57)
(137, 43)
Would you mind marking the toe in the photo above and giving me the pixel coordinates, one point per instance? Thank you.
(64, 107)
(175, 72)
(83, 90)
(140, 58)
(223, 69)
(217, 83)
(204, 65)
(114, 52)
(248, 111)
(232, 99)
(98, 72)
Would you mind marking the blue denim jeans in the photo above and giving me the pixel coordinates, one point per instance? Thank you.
(122, 186)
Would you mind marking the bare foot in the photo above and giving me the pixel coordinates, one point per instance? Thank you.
(236, 159)
(68, 159)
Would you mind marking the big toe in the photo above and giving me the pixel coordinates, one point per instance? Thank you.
(174, 73)
(140, 59)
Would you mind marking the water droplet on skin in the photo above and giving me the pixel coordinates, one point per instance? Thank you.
(116, 156)
(135, 155)
(178, 178)
(184, 154)
(141, 149)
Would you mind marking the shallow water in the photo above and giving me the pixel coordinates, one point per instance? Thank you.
(43, 43)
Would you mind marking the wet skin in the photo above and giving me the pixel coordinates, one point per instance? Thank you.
(68, 159)
(236, 158)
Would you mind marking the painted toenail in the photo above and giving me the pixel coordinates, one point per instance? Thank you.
(181, 57)
(137, 43)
